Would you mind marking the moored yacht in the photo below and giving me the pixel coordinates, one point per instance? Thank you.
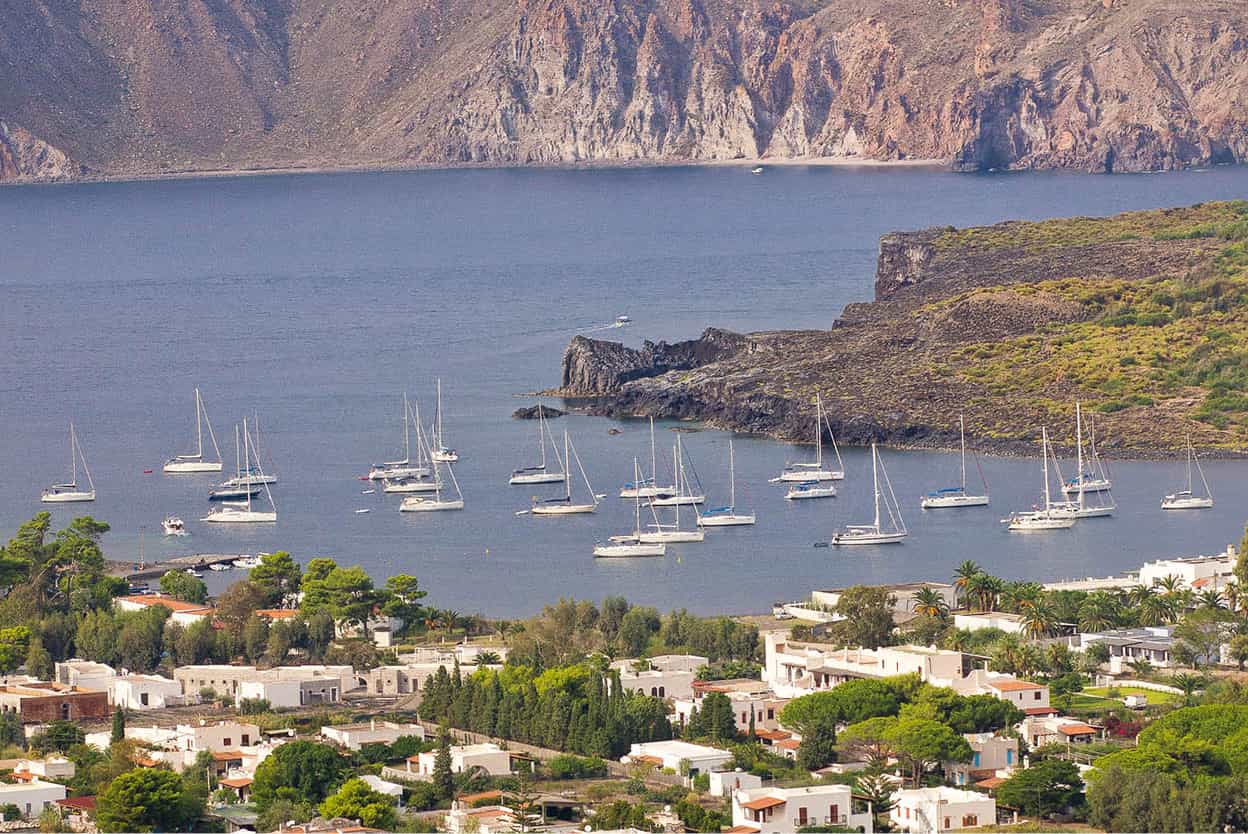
(70, 492)
(186, 464)
(815, 470)
(875, 532)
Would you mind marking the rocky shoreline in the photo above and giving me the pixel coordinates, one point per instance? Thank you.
(899, 370)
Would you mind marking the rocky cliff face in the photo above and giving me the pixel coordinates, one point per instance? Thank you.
(594, 366)
(150, 86)
(25, 157)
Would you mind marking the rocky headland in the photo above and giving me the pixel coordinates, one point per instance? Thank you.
(1143, 317)
(157, 87)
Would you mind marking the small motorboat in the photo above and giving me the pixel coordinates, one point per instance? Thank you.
(219, 566)
(194, 573)
(173, 526)
(757, 170)
(363, 510)
(809, 489)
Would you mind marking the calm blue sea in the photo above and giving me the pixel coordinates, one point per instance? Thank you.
(315, 300)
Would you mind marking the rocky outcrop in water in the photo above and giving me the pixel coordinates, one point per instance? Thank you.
(595, 366)
(157, 86)
(532, 412)
(25, 157)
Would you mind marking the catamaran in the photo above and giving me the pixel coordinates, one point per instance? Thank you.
(441, 452)
(183, 464)
(1051, 517)
(950, 497)
(875, 533)
(70, 492)
(1186, 499)
(564, 505)
(727, 516)
(814, 470)
(539, 474)
(684, 494)
(242, 512)
(396, 469)
(1094, 478)
(631, 545)
(1092, 484)
(647, 487)
(426, 504)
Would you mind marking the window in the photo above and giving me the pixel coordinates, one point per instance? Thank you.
(968, 820)
(1036, 697)
(771, 714)
(975, 760)
(246, 739)
(946, 823)
(1009, 757)
(662, 692)
(143, 698)
(836, 814)
(225, 742)
(801, 816)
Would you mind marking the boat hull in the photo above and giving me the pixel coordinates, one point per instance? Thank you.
(394, 473)
(672, 537)
(805, 494)
(233, 494)
(250, 480)
(426, 505)
(69, 497)
(943, 502)
(678, 500)
(563, 509)
(1088, 488)
(850, 539)
(799, 475)
(190, 467)
(446, 456)
(415, 486)
(241, 517)
(1039, 524)
(646, 492)
(726, 520)
(1187, 504)
(628, 551)
(539, 478)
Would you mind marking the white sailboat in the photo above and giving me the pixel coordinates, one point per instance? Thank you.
(1050, 517)
(875, 532)
(426, 504)
(1103, 504)
(807, 490)
(70, 492)
(540, 474)
(815, 470)
(396, 469)
(184, 464)
(243, 512)
(631, 545)
(253, 477)
(727, 516)
(1094, 478)
(647, 487)
(441, 453)
(564, 505)
(1186, 499)
(660, 532)
(952, 497)
(683, 495)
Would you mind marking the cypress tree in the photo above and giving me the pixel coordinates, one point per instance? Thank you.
(443, 779)
(119, 726)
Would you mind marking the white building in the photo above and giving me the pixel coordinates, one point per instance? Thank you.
(1127, 645)
(85, 673)
(724, 782)
(929, 810)
(49, 767)
(140, 692)
(31, 797)
(776, 810)
(993, 756)
(748, 697)
(793, 668)
(181, 612)
(355, 736)
(902, 593)
(325, 684)
(1038, 730)
(665, 676)
(677, 755)
(1009, 623)
(1193, 572)
(489, 757)
(390, 789)
(1031, 698)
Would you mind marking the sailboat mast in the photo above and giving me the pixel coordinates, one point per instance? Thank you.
(677, 471)
(1044, 455)
(1079, 453)
(732, 477)
(407, 442)
(73, 455)
(654, 461)
(818, 431)
(438, 439)
(962, 440)
(199, 426)
(567, 469)
(246, 458)
(541, 434)
(1189, 464)
(637, 496)
(875, 484)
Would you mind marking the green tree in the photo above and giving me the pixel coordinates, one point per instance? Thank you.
(255, 638)
(277, 577)
(818, 748)
(14, 645)
(58, 736)
(39, 661)
(183, 586)
(443, 779)
(1241, 561)
(638, 625)
(355, 800)
(1201, 634)
(1238, 649)
(715, 720)
(119, 726)
(868, 613)
(403, 595)
(145, 799)
(346, 594)
(868, 741)
(1046, 787)
(622, 814)
(96, 638)
(299, 771)
(921, 743)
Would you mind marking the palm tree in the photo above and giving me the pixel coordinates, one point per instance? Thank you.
(1030, 660)
(929, 603)
(983, 589)
(1137, 595)
(1018, 596)
(1169, 585)
(1007, 655)
(1232, 596)
(1097, 613)
(962, 576)
(1211, 599)
(1189, 684)
(1039, 621)
(1141, 667)
(487, 658)
(959, 639)
(1157, 610)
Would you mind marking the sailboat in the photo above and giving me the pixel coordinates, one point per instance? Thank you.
(395, 469)
(875, 533)
(183, 464)
(1051, 517)
(406, 484)
(684, 495)
(1186, 499)
(814, 470)
(426, 504)
(243, 512)
(564, 505)
(647, 487)
(441, 453)
(727, 516)
(660, 532)
(810, 489)
(1094, 478)
(253, 477)
(70, 492)
(631, 545)
(539, 474)
(1089, 484)
(956, 496)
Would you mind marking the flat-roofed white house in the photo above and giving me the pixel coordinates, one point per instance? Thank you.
(32, 797)
(1193, 572)
(977, 621)
(467, 757)
(140, 692)
(724, 782)
(1154, 644)
(49, 767)
(665, 676)
(355, 736)
(681, 757)
(85, 673)
(1038, 730)
(929, 810)
(794, 668)
(748, 697)
(776, 810)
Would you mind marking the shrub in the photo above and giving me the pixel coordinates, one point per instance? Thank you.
(576, 767)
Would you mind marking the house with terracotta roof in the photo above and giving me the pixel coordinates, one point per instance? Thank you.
(724, 782)
(240, 785)
(992, 756)
(794, 668)
(775, 810)
(750, 699)
(1031, 698)
(931, 810)
(43, 701)
(1039, 730)
(77, 810)
(181, 611)
(51, 766)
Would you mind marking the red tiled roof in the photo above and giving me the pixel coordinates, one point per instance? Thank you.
(789, 744)
(991, 783)
(1013, 685)
(763, 803)
(277, 613)
(82, 803)
(227, 756)
(144, 761)
(1076, 729)
(23, 776)
(740, 829)
(1202, 582)
(654, 760)
(773, 735)
(474, 797)
(240, 782)
(1040, 711)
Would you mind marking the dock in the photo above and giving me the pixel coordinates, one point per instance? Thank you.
(154, 570)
